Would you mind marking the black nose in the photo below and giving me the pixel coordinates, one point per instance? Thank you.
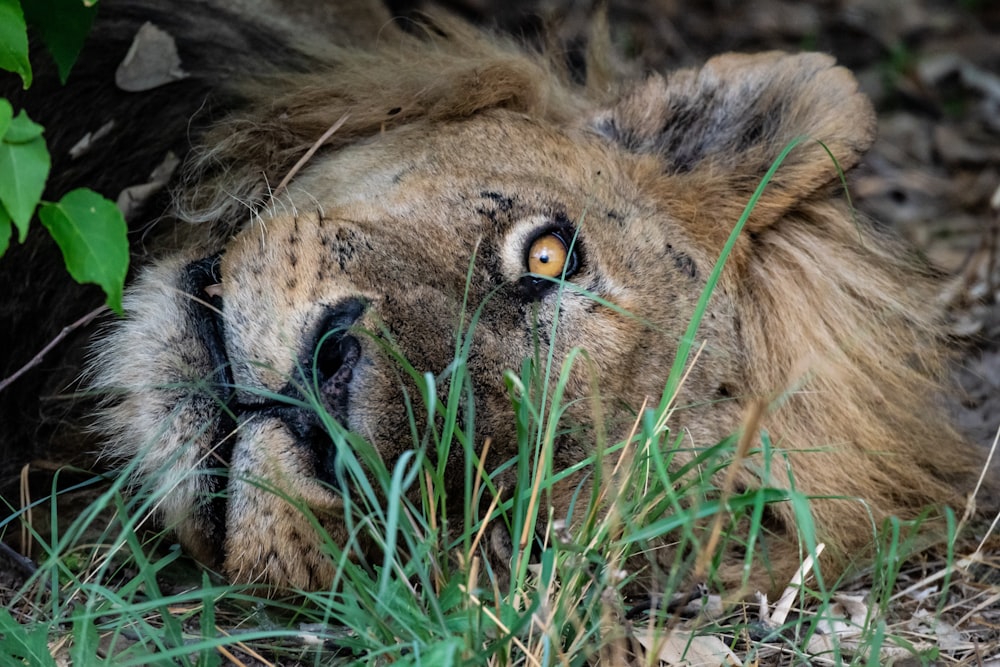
(327, 367)
(334, 350)
(321, 384)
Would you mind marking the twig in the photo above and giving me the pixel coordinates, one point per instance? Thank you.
(970, 502)
(309, 153)
(245, 647)
(784, 603)
(37, 359)
(27, 539)
(22, 562)
(996, 519)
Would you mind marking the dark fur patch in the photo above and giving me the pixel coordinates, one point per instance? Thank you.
(504, 203)
(212, 511)
(683, 261)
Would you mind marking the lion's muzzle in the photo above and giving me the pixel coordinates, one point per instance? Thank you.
(318, 389)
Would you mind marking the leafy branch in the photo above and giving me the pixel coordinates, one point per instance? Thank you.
(89, 229)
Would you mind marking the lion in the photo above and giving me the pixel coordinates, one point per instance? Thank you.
(353, 194)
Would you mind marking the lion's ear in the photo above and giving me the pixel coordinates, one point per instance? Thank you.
(721, 127)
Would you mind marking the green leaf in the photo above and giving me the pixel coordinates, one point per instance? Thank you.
(6, 114)
(209, 656)
(22, 129)
(24, 166)
(85, 640)
(5, 230)
(14, 41)
(92, 235)
(63, 26)
(24, 644)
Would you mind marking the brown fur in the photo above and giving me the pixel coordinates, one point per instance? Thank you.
(456, 144)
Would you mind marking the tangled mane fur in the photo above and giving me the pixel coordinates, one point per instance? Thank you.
(848, 351)
(449, 72)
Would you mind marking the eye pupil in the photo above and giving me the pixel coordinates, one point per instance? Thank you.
(548, 255)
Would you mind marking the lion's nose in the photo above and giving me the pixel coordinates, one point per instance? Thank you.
(335, 350)
(327, 368)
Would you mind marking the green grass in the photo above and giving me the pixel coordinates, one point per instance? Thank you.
(432, 599)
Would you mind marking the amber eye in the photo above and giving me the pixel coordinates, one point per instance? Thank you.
(547, 256)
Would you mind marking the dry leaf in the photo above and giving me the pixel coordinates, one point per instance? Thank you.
(88, 140)
(842, 627)
(684, 648)
(131, 200)
(151, 61)
(948, 638)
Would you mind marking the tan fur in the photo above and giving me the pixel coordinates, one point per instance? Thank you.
(457, 145)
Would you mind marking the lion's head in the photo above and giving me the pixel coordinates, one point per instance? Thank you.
(466, 193)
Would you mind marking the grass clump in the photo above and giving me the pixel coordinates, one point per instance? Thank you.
(577, 590)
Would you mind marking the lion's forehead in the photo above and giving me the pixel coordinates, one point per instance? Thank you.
(415, 166)
(421, 203)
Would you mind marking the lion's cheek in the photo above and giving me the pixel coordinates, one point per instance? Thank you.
(274, 496)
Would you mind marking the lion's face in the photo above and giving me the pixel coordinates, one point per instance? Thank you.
(498, 234)
(393, 247)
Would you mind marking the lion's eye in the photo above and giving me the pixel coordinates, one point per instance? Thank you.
(549, 255)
